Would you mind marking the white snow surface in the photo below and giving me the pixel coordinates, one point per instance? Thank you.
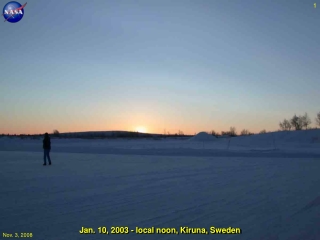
(202, 137)
(267, 185)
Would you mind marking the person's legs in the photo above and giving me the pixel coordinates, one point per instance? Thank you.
(48, 155)
(44, 156)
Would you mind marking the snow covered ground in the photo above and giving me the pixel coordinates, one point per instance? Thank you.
(267, 185)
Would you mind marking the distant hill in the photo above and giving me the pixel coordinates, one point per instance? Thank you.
(115, 134)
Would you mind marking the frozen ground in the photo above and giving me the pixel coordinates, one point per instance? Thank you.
(270, 193)
(279, 144)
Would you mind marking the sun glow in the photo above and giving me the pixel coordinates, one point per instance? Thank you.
(141, 129)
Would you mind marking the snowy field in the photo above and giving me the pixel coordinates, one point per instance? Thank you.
(267, 185)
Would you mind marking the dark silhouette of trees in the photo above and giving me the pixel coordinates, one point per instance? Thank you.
(213, 133)
(318, 119)
(296, 122)
(285, 125)
(232, 132)
(305, 120)
(180, 133)
(245, 132)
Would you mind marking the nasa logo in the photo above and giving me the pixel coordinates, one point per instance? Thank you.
(13, 12)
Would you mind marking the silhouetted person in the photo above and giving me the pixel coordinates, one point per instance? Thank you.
(46, 148)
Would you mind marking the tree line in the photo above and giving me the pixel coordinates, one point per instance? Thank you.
(298, 122)
(295, 123)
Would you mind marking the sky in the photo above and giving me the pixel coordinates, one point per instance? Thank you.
(159, 65)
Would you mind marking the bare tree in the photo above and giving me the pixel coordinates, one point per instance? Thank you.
(233, 131)
(305, 120)
(285, 125)
(296, 122)
(263, 131)
(245, 132)
(318, 119)
(223, 133)
(180, 133)
(213, 133)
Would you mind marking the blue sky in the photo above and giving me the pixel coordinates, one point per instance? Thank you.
(189, 65)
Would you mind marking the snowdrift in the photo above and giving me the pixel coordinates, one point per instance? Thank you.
(203, 137)
(284, 137)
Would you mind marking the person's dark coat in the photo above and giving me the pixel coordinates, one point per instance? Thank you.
(46, 143)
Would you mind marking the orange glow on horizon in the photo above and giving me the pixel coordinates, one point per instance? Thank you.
(141, 129)
(152, 127)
